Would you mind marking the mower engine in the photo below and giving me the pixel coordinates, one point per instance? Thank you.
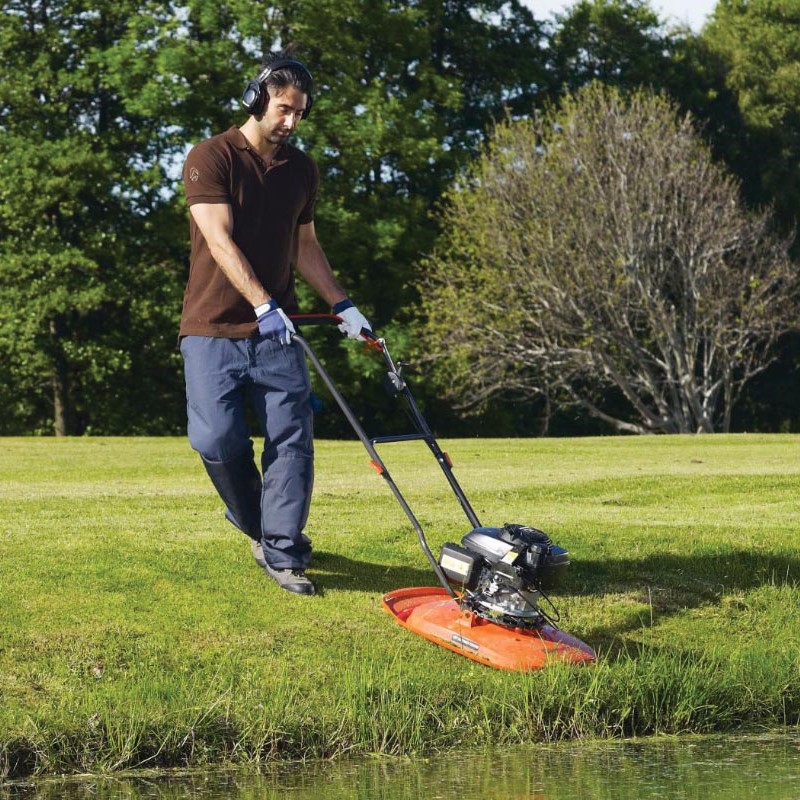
(505, 572)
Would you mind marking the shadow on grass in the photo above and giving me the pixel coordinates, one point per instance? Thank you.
(656, 586)
(334, 571)
(670, 582)
(665, 585)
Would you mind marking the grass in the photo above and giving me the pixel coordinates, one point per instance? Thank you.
(135, 630)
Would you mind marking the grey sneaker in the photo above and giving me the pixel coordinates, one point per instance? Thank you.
(258, 553)
(293, 580)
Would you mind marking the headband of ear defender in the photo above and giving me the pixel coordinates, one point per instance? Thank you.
(255, 95)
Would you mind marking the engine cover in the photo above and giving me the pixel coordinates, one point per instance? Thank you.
(541, 563)
(504, 572)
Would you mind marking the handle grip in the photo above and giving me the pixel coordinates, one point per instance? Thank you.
(315, 319)
(328, 319)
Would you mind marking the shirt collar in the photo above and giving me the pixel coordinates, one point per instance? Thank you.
(236, 138)
(239, 141)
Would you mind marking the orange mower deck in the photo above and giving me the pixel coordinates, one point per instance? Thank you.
(432, 613)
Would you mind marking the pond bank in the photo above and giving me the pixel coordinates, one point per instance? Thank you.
(707, 768)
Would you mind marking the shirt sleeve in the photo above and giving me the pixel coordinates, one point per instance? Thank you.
(307, 214)
(205, 176)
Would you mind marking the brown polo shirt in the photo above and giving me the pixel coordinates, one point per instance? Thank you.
(268, 204)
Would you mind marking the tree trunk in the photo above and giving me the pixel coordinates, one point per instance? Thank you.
(60, 426)
(60, 384)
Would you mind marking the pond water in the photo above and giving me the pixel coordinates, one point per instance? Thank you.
(707, 768)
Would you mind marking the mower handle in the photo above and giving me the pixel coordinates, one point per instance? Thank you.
(329, 319)
(423, 431)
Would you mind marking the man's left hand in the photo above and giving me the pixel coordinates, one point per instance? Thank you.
(352, 320)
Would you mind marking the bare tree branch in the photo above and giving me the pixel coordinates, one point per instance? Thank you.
(600, 247)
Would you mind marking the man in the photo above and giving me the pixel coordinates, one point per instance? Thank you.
(251, 197)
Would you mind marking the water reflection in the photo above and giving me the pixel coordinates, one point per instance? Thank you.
(692, 769)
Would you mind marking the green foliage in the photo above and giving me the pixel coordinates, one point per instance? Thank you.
(88, 291)
(749, 59)
(761, 41)
(93, 233)
(618, 42)
(100, 101)
(405, 94)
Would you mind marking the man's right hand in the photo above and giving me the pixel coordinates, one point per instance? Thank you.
(273, 323)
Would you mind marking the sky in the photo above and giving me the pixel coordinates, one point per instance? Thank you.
(691, 12)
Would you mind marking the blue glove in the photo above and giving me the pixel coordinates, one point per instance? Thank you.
(273, 323)
(352, 319)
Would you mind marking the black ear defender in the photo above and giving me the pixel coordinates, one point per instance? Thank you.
(255, 95)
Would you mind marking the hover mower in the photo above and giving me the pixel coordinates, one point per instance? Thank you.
(493, 604)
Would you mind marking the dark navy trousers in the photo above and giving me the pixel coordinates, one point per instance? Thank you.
(223, 377)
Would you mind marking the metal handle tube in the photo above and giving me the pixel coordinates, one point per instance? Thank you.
(416, 415)
(403, 437)
(438, 453)
(365, 440)
(427, 434)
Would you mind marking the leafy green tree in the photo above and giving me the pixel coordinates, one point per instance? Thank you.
(618, 42)
(99, 104)
(739, 78)
(406, 92)
(93, 238)
(603, 251)
(87, 278)
(756, 47)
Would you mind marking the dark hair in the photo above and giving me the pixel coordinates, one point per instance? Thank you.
(295, 74)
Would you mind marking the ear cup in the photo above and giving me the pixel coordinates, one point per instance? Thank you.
(255, 93)
(253, 97)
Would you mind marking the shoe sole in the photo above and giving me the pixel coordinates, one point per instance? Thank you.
(303, 587)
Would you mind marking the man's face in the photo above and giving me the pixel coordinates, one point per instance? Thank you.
(284, 110)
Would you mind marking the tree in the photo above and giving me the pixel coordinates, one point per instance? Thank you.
(93, 230)
(89, 285)
(750, 52)
(618, 42)
(406, 93)
(600, 250)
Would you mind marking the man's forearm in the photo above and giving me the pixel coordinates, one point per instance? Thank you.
(238, 271)
(215, 221)
(315, 269)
